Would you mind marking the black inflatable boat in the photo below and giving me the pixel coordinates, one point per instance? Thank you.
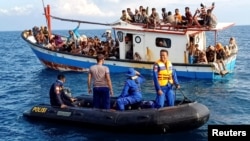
(185, 115)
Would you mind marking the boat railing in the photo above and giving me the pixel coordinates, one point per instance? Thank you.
(171, 27)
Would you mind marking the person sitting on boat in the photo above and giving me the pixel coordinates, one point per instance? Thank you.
(211, 20)
(165, 78)
(130, 14)
(137, 16)
(232, 45)
(57, 94)
(164, 14)
(220, 56)
(131, 92)
(178, 17)
(58, 41)
(202, 59)
(154, 19)
(196, 53)
(144, 18)
(170, 18)
(191, 19)
(125, 17)
(227, 51)
(74, 35)
(211, 54)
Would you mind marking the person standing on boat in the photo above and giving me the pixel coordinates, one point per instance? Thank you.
(131, 92)
(74, 35)
(57, 94)
(102, 86)
(165, 78)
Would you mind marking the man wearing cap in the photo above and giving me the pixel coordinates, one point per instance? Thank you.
(165, 78)
(131, 92)
(102, 87)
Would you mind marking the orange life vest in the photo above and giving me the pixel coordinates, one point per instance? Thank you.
(165, 73)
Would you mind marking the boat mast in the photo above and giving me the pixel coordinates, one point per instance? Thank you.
(47, 17)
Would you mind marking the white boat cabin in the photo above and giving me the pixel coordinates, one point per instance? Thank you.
(148, 42)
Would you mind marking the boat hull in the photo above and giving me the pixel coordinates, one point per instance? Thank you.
(183, 117)
(63, 61)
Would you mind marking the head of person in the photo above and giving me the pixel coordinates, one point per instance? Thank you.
(153, 10)
(176, 11)
(100, 58)
(70, 32)
(124, 12)
(144, 11)
(231, 40)
(218, 46)
(186, 9)
(140, 7)
(61, 77)
(163, 10)
(131, 72)
(163, 55)
(136, 11)
(128, 10)
(209, 11)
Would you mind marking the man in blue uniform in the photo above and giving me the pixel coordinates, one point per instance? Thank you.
(164, 79)
(58, 96)
(131, 92)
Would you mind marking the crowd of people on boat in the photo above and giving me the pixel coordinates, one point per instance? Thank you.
(212, 53)
(75, 43)
(202, 17)
(100, 85)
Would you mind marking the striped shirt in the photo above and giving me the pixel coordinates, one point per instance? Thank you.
(98, 73)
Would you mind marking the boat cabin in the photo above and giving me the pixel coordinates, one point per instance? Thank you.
(147, 43)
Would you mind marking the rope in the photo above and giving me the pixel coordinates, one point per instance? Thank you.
(184, 97)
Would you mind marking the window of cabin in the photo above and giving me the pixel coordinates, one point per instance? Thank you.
(120, 36)
(163, 42)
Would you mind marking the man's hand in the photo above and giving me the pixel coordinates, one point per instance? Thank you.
(64, 106)
(111, 92)
(89, 90)
(159, 92)
(177, 86)
(73, 99)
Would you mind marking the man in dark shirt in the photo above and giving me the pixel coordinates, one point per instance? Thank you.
(57, 94)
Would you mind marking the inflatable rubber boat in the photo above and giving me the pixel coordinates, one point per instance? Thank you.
(139, 117)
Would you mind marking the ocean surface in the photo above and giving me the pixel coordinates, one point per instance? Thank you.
(24, 82)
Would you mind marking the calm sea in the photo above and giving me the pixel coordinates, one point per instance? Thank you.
(24, 82)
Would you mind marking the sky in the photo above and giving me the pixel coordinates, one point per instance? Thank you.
(18, 15)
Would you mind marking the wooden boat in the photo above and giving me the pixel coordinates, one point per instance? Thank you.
(143, 41)
(185, 115)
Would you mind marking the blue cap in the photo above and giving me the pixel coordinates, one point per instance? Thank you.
(131, 72)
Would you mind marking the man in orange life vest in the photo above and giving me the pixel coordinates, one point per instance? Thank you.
(164, 79)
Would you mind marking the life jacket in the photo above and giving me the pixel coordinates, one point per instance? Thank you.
(165, 73)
